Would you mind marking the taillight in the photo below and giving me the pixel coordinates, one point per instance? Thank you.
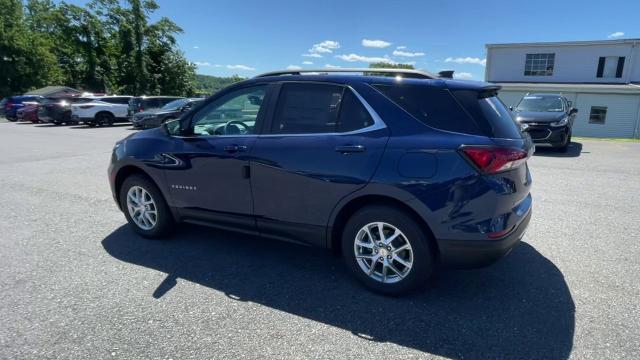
(491, 160)
(86, 106)
(8, 105)
(141, 109)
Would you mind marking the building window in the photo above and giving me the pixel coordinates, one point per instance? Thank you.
(539, 64)
(610, 67)
(597, 115)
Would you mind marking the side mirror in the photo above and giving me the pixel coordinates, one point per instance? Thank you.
(173, 127)
(573, 111)
(186, 107)
(510, 108)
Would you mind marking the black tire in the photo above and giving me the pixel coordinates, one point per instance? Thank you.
(423, 260)
(565, 147)
(164, 223)
(104, 118)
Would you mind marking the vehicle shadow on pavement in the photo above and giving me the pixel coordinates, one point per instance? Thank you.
(574, 150)
(520, 307)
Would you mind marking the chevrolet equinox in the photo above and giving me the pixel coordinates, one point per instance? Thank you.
(397, 170)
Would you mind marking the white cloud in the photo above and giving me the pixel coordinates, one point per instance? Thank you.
(616, 35)
(206, 63)
(462, 75)
(407, 53)
(196, 47)
(240, 67)
(401, 47)
(326, 46)
(375, 43)
(467, 60)
(329, 66)
(360, 58)
(312, 55)
(308, 62)
(294, 67)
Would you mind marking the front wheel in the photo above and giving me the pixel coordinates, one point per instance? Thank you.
(566, 144)
(387, 250)
(145, 208)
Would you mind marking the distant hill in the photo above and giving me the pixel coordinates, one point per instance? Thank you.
(208, 85)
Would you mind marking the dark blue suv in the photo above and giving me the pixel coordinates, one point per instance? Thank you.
(398, 173)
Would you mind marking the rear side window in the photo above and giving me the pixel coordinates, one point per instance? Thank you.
(318, 108)
(307, 109)
(432, 106)
(490, 113)
(116, 100)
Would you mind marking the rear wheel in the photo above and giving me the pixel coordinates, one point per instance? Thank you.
(104, 118)
(145, 208)
(387, 250)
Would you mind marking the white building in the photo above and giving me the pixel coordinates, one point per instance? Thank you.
(601, 78)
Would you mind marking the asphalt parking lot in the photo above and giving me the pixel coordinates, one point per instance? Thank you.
(77, 283)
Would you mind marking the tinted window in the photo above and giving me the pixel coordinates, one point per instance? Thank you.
(116, 100)
(176, 104)
(353, 115)
(489, 113)
(307, 109)
(434, 107)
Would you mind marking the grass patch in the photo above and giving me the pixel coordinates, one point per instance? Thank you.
(605, 139)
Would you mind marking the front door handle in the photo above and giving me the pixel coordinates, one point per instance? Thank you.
(345, 149)
(235, 148)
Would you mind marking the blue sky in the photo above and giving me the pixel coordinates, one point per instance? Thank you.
(247, 37)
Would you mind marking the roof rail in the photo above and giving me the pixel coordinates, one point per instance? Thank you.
(409, 73)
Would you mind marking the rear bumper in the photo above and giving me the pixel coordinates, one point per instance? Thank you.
(478, 253)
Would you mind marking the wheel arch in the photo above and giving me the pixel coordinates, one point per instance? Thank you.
(342, 215)
(125, 172)
(107, 112)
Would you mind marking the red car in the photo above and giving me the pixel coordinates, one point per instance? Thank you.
(29, 112)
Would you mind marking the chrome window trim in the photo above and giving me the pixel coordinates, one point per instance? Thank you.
(377, 125)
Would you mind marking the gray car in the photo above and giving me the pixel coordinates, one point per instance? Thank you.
(173, 110)
(548, 118)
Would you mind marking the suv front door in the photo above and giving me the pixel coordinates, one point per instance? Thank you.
(208, 170)
(322, 144)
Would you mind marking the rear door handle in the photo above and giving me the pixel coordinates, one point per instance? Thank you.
(235, 148)
(345, 149)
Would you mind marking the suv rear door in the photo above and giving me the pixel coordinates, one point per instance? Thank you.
(320, 144)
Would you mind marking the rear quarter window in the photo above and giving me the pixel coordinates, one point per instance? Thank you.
(489, 113)
(434, 107)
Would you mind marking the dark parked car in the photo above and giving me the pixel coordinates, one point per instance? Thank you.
(28, 112)
(397, 173)
(14, 103)
(145, 103)
(170, 111)
(548, 118)
(58, 110)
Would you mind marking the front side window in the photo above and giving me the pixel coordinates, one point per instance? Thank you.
(597, 114)
(539, 64)
(540, 103)
(235, 113)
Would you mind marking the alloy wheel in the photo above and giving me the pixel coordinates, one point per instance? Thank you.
(383, 252)
(142, 208)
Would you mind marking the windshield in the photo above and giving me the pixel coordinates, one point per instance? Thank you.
(540, 103)
(176, 104)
